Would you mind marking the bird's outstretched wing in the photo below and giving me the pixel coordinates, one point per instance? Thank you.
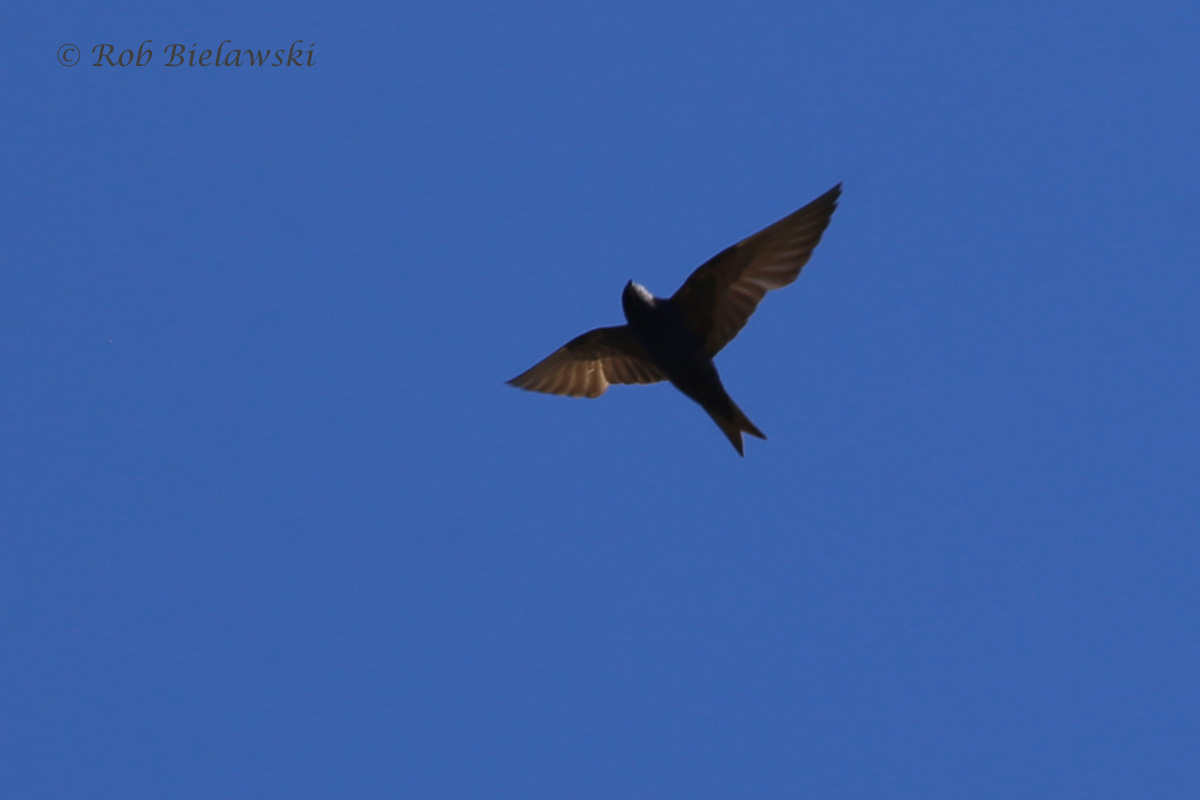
(586, 365)
(718, 298)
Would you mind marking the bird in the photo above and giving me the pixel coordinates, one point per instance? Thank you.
(675, 338)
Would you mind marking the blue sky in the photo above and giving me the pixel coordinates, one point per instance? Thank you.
(271, 524)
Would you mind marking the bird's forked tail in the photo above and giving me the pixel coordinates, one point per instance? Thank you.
(732, 425)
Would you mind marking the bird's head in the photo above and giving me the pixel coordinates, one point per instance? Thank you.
(636, 300)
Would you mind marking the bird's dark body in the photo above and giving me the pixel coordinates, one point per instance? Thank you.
(675, 338)
(659, 326)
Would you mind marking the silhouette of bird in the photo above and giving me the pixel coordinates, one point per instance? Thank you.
(676, 338)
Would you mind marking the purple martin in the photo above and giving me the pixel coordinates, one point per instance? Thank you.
(675, 338)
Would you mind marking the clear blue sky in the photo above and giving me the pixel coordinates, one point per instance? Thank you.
(271, 524)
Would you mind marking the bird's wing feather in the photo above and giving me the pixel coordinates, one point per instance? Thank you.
(718, 298)
(586, 365)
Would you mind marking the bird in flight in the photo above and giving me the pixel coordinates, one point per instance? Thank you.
(675, 338)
